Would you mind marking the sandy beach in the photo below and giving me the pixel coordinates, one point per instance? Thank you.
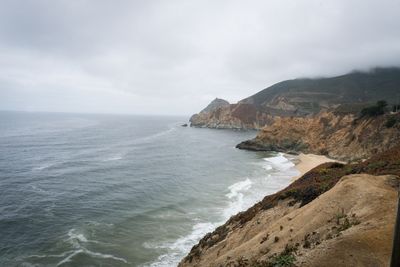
(308, 162)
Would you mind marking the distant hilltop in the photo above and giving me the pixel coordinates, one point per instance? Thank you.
(215, 104)
(301, 97)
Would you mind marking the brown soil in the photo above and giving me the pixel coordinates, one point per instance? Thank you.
(356, 193)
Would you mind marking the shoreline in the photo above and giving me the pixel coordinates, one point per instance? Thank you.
(307, 162)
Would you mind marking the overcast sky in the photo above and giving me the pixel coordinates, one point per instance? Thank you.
(173, 57)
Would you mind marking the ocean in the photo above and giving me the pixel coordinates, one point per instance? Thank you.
(121, 190)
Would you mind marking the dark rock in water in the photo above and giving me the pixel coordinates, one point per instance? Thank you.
(256, 145)
(184, 125)
(253, 145)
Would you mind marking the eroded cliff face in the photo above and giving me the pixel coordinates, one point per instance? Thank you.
(234, 116)
(334, 215)
(339, 136)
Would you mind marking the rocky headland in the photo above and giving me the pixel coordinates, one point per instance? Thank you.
(219, 114)
(337, 135)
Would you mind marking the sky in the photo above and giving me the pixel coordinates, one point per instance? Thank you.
(172, 57)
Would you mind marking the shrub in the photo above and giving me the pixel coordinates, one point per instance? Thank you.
(285, 258)
(373, 111)
(391, 121)
(282, 260)
(381, 103)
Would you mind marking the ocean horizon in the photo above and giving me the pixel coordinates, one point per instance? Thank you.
(122, 190)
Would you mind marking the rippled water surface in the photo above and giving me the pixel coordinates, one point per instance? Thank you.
(103, 190)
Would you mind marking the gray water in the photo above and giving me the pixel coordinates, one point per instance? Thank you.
(108, 190)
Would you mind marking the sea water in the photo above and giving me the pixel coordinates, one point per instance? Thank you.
(119, 190)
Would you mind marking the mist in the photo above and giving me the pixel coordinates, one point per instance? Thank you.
(173, 57)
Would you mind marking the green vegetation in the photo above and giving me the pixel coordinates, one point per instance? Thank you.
(390, 122)
(344, 222)
(396, 108)
(376, 110)
(282, 260)
(285, 258)
(324, 177)
(376, 165)
(340, 216)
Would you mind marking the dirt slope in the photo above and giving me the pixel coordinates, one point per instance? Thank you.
(350, 225)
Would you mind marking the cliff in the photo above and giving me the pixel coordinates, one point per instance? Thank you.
(302, 97)
(334, 215)
(343, 136)
(234, 116)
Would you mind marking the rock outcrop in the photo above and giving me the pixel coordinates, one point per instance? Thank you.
(334, 215)
(215, 104)
(302, 97)
(342, 136)
(235, 116)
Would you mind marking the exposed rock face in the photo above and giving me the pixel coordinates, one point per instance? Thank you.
(334, 215)
(340, 136)
(235, 116)
(302, 97)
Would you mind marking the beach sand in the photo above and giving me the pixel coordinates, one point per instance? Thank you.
(307, 162)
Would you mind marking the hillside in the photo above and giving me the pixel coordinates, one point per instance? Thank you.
(343, 136)
(349, 210)
(301, 97)
(215, 104)
(305, 96)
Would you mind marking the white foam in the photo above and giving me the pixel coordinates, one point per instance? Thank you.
(75, 239)
(75, 236)
(237, 198)
(42, 167)
(92, 254)
(67, 259)
(94, 223)
(267, 167)
(103, 256)
(279, 172)
(199, 230)
(154, 136)
(181, 246)
(113, 158)
(280, 162)
(236, 188)
(51, 255)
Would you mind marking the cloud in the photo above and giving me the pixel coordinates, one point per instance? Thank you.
(173, 57)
